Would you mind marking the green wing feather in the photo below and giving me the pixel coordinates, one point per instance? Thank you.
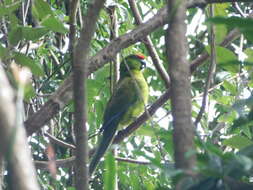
(127, 102)
(123, 97)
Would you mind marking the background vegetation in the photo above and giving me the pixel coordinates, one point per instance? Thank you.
(39, 35)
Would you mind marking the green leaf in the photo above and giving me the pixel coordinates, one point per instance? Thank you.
(220, 30)
(242, 23)
(71, 188)
(225, 59)
(220, 9)
(237, 141)
(94, 86)
(214, 149)
(24, 60)
(154, 161)
(29, 92)
(41, 9)
(146, 131)
(240, 104)
(247, 151)
(15, 35)
(7, 9)
(110, 173)
(246, 129)
(248, 34)
(4, 53)
(14, 20)
(19, 33)
(228, 117)
(149, 185)
(33, 33)
(229, 87)
(54, 24)
(135, 183)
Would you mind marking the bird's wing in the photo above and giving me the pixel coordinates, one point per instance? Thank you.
(124, 96)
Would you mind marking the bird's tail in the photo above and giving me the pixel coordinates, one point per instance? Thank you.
(105, 142)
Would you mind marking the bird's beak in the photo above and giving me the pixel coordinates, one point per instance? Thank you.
(143, 64)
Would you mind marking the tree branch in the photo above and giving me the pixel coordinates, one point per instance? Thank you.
(159, 102)
(13, 142)
(69, 162)
(80, 67)
(59, 142)
(179, 71)
(164, 98)
(64, 93)
(211, 70)
(150, 46)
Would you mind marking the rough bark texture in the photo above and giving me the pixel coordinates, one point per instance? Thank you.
(80, 66)
(179, 71)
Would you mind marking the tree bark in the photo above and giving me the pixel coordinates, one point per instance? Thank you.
(179, 71)
(13, 142)
(80, 67)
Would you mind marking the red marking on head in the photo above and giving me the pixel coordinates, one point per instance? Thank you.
(140, 56)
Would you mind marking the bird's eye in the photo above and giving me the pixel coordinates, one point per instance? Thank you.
(143, 64)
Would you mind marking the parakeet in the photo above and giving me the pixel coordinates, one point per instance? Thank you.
(127, 102)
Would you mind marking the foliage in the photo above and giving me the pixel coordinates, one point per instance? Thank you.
(37, 37)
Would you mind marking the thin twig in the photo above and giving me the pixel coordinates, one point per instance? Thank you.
(239, 10)
(154, 56)
(219, 84)
(69, 162)
(150, 46)
(59, 142)
(210, 71)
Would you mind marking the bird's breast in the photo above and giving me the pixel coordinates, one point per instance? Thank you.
(138, 107)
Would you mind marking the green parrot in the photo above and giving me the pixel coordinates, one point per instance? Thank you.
(127, 102)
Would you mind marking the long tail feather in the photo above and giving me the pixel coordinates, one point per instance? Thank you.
(103, 146)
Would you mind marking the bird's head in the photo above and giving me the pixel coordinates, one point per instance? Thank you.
(132, 62)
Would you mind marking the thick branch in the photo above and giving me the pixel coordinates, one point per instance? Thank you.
(13, 141)
(179, 71)
(80, 66)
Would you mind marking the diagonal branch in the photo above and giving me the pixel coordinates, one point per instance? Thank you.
(64, 94)
(58, 141)
(165, 97)
(150, 46)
